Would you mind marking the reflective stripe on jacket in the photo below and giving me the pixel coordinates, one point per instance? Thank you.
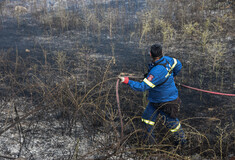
(156, 76)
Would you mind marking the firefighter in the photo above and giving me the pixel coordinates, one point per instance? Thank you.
(163, 94)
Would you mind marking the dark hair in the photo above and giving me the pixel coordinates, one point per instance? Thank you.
(156, 50)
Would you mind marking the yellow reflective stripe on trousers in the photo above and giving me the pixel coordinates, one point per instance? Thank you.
(176, 129)
(173, 66)
(148, 122)
(150, 84)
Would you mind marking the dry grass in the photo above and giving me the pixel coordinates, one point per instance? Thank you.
(89, 96)
(98, 107)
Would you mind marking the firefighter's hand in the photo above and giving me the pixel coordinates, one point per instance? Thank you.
(124, 79)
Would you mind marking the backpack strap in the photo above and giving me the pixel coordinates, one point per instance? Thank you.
(158, 63)
(169, 71)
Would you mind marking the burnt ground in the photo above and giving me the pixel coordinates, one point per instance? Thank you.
(45, 135)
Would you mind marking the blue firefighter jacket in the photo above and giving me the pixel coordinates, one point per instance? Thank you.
(157, 75)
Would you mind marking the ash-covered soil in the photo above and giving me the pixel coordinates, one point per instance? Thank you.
(52, 133)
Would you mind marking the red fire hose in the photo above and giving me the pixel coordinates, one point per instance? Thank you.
(119, 108)
(201, 90)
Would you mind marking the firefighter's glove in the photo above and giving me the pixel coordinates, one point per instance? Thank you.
(124, 79)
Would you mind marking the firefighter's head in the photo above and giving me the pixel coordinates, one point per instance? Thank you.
(156, 51)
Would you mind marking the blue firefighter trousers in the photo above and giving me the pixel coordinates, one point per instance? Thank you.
(149, 118)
